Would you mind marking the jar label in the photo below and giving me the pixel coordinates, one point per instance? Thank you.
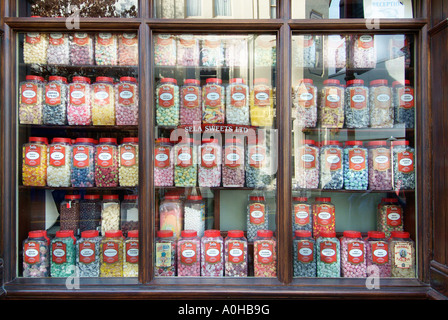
(393, 214)
(56, 39)
(306, 96)
(105, 156)
(190, 97)
(213, 252)
(57, 156)
(77, 94)
(29, 93)
(380, 252)
(81, 39)
(355, 251)
(333, 158)
(187, 40)
(163, 254)
(365, 42)
(53, 94)
(126, 94)
(81, 157)
(128, 156)
(212, 43)
(381, 97)
(305, 251)
(333, 98)
(32, 155)
(131, 248)
(87, 252)
(209, 157)
(307, 158)
(301, 214)
(104, 39)
(406, 162)
(212, 96)
(406, 95)
(32, 252)
(403, 255)
(184, 156)
(58, 252)
(257, 213)
(101, 94)
(110, 252)
(358, 98)
(236, 252)
(162, 157)
(238, 96)
(265, 252)
(324, 215)
(188, 253)
(357, 159)
(262, 96)
(308, 41)
(165, 40)
(381, 159)
(233, 156)
(129, 39)
(328, 252)
(33, 37)
(257, 156)
(166, 96)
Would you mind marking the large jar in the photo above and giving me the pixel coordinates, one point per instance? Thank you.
(402, 255)
(307, 165)
(328, 257)
(403, 165)
(305, 103)
(362, 51)
(380, 165)
(81, 49)
(212, 52)
(188, 254)
(404, 103)
(59, 162)
(111, 246)
(377, 254)
(356, 167)
(335, 51)
(106, 45)
(257, 216)
(36, 255)
(129, 213)
(265, 254)
(165, 251)
(106, 163)
(167, 102)
(304, 51)
(130, 254)
(389, 216)
(265, 51)
(35, 47)
(165, 50)
(324, 216)
(185, 163)
(83, 163)
(331, 104)
(63, 254)
(110, 213)
(235, 248)
(171, 214)
(126, 102)
(233, 167)
(128, 153)
(194, 214)
(304, 254)
(190, 103)
(261, 103)
(213, 101)
(236, 51)
(69, 213)
(237, 102)
(103, 101)
(79, 102)
(188, 50)
(210, 163)
(88, 254)
(31, 100)
(34, 163)
(258, 163)
(127, 49)
(357, 110)
(331, 165)
(353, 255)
(54, 110)
(58, 49)
(302, 214)
(381, 107)
(90, 212)
(163, 163)
(212, 254)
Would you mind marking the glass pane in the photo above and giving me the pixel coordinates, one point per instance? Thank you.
(353, 155)
(77, 110)
(215, 155)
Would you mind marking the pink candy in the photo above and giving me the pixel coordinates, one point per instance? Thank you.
(188, 254)
(78, 107)
(190, 102)
(209, 171)
(353, 255)
(163, 163)
(126, 102)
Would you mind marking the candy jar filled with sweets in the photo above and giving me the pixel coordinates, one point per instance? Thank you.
(59, 162)
(381, 106)
(88, 253)
(58, 48)
(83, 163)
(331, 104)
(106, 163)
(389, 216)
(165, 50)
(353, 255)
(402, 255)
(213, 101)
(357, 110)
(31, 100)
(111, 261)
(110, 213)
(304, 254)
(404, 104)
(190, 102)
(130, 254)
(129, 213)
(106, 49)
(324, 217)
(194, 214)
(36, 255)
(34, 163)
(380, 165)
(81, 49)
(163, 163)
(377, 254)
(261, 103)
(403, 165)
(54, 110)
(63, 251)
(355, 166)
(209, 164)
(188, 50)
(257, 216)
(188, 254)
(103, 101)
(237, 102)
(362, 52)
(265, 254)
(328, 257)
(79, 111)
(212, 254)
(305, 103)
(126, 102)
(127, 54)
(69, 213)
(233, 167)
(302, 214)
(331, 165)
(167, 102)
(171, 214)
(235, 248)
(90, 212)
(307, 165)
(185, 163)
(35, 47)
(165, 251)
(128, 153)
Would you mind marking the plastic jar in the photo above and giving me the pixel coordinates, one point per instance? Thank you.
(63, 254)
(34, 163)
(362, 51)
(331, 104)
(129, 214)
(88, 254)
(304, 255)
(106, 163)
(402, 255)
(35, 46)
(58, 49)
(236, 51)
(377, 254)
(90, 212)
(235, 248)
(381, 107)
(103, 102)
(171, 214)
(212, 52)
(213, 101)
(106, 45)
(81, 49)
(212, 254)
(335, 52)
(307, 165)
(389, 216)
(305, 103)
(31, 100)
(163, 163)
(59, 162)
(185, 163)
(302, 214)
(190, 102)
(79, 102)
(167, 102)
(357, 110)
(165, 246)
(188, 254)
(356, 169)
(324, 217)
(237, 102)
(257, 216)
(258, 163)
(328, 257)
(265, 254)
(83, 163)
(261, 102)
(380, 165)
(265, 50)
(69, 213)
(194, 214)
(126, 102)
(353, 255)
(110, 213)
(128, 152)
(233, 172)
(305, 51)
(403, 165)
(187, 50)
(111, 262)
(209, 166)
(165, 50)
(36, 255)
(331, 165)
(404, 103)
(130, 254)
(54, 110)
(127, 49)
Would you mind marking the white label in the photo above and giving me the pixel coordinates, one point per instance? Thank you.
(190, 97)
(28, 93)
(383, 97)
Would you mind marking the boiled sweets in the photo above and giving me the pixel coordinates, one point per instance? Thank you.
(58, 49)
(35, 48)
(194, 214)
(304, 51)
(212, 254)
(331, 104)
(130, 254)
(261, 103)
(110, 213)
(171, 214)
(34, 163)
(126, 102)
(324, 216)
(106, 163)
(305, 103)
(235, 248)
(237, 102)
(328, 257)
(264, 51)
(353, 255)
(331, 165)
(88, 254)
(167, 102)
(381, 107)
(389, 216)
(402, 255)
(209, 165)
(103, 101)
(265, 254)
(36, 255)
(163, 163)
(403, 165)
(236, 52)
(127, 54)
(363, 52)
(188, 254)
(185, 164)
(81, 49)
(59, 161)
(212, 52)
(105, 48)
(213, 101)
(187, 50)
(404, 103)
(307, 165)
(377, 254)
(165, 251)
(63, 251)
(357, 110)
(380, 166)
(128, 154)
(257, 216)
(302, 214)
(165, 50)
(129, 214)
(31, 100)
(69, 213)
(233, 167)
(335, 53)
(258, 163)
(83, 163)
(54, 111)
(190, 102)
(304, 254)
(111, 259)
(355, 166)
(90, 212)
(79, 102)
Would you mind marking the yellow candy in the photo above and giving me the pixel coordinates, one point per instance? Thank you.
(34, 165)
(261, 104)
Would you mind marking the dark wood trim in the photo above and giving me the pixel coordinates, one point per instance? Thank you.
(356, 25)
(438, 27)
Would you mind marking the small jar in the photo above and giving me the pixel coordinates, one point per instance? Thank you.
(404, 104)
(165, 246)
(190, 103)
(233, 163)
(34, 163)
(305, 103)
(213, 101)
(106, 163)
(106, 45)
(58, 49)
(31, 100)
(110, 213)
(36, 255)
(235, 248)
(257, 216)
(402, 255)
(258, 163)
(111, 246)
(81, 49)
(380, 165)
(165, 50)
(237, 102)
(167, 102)
(381, 107)
(188, 254)
(331, 104)
(79, 111)
(353, 255)
(212, 52)
(324, 216)
(261, 103)
(88, 254)
(103, 101)
(403, 165)
(90, 212)
(209, 165)
(377, 254)
(126, 102)
(59, 162)
(356, 169)
(357, 110)
(212, 254)
(128, 153)
(129, 214)
(362, 51)
(171, 214)
(331, 165)
(194, 214)
(127, 54)
(35, 47)
(389, 216)
(265, 254)
(188, 50)
(54, 110)
(130, 254)
(63, 254)
(328, 257)
(304, 255)
(185, 163)
(163, 163)
(302, 214)
(69, 213)
(305, 51)
(83, 163)
(307, 165)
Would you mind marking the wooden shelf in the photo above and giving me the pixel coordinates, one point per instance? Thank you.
(78, 128)
(93, 189)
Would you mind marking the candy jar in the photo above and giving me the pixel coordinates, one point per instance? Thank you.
(185, 163)
(362, 52)
(377, 254)
(81, 49)
(212, 52)
(237, 102)
(167, 102)
(127, 54)
(54, 111)
(235, 248)
(302, 214)
(304, 255)
(264, 51)
(305, 103)
(165, 251)
(380, 168)
(402, 255)
(58, 49)
(212, 254)
(323, 216)
(213, 101)
(35, 47)
(331, 165)
(233, 163)
(103, 102)
(381, 107)
(328, 258)
(331, 104)
(389, 216)
(110, 213)
(335, 52)
(130, 254)
(59, 162)
(404, 104)
(83, 163)
(190, 102)
(79, 106)
(90, 212)
(403, 165)
(258, 164)
(163, 163)
(164, 50)
(353, 255)
(126, 102)
(88, 254)
(194, 214)
(128, 162)
(261, 103)
(304, 51)
(307, 165)
(188, 50)
(36, 255)
(357, 110)
(106, 163)
(236, 51)
(63, 251)
(31, 100)
(188, 254)
(69, 213)
(209, 165)
(105, 49)
(257, 216)
(129, 214)
(355, 166)
(34, 163)
(111, 261)
(265, 254)
(171, 214)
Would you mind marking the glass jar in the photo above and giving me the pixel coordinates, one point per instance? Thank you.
(127, 49)
(237, 102)
(236, 51)
(331, 165)
(35, 47)
(194, 214)
(164, 50)
(163, 163)
(257, 216)
(36, 255)
(31, 100)
(404, 168)
(103, 102)
(305, 51)
(58, 49)
(130, 254)
(265, 254)
(233, 163)
(88, 254)
(185, 163)
(305, 103)
(261, 103)
(187, 50)
(356, 176)
(357, 110)
(126, 102)
(106, 45)
(54, 111)
(331, 104)
(402, 255)
(213, 101)
(353, 255)
(304, 260)
(129, 214)
(377, 254)
(171, 214)
(302, 214)
(188, 254)
(324, 216)
(63, 254)
(190, 102)
(165, 246)
(79, 111)
(403, 102)
(209, 166)
(106, 163)
(128, 152)
(235, 248)
(81, 49)
(362, 51)
(34, 163)
(69, 213)
(110, 213)
(335, 52)
(212, 52)
(380, 168)
(59, 162)
(381, 107)
(212, 254)
(90, 212)
(258, 163)
(328, 258)
(167, 102)
(389, 216)
(265, 51)
(111, 246)
(307, 165)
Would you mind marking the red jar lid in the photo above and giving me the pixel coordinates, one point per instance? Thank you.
(168, 80)
(377, 143)
(61, 140)
(327, 234)
(172, 196)
(302, 233)
(376, 234)
(85, 140)
(192, 81)
(331, 142)
(236, 80)
(354, 143)
(90, 234)
(165, 233)
(133, 234)
(308, 141)
(34, 78)
(130, 79)
(188, 233)
(400, 143)
(351, 234)
(233, 141)
(256, 198)
(213, 80)
(389, 200)
(110, 196)
(332, 82)
(130, 197)
(81, 79)
(165, 140)
(91, 196)
(379, 82)
(399, 234)
(193, 197)
(108, 140)
(38, 139)
(261, 81)
(36, 234)
(354, 82)
(72, 196)
(105, 79)
(235, 233)
(129, 140)
(302, 199)
(113, 233)
(323, 199)
(405, 82)
(212, 233)
(57, 78)
(64, 233)
(265, 233)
